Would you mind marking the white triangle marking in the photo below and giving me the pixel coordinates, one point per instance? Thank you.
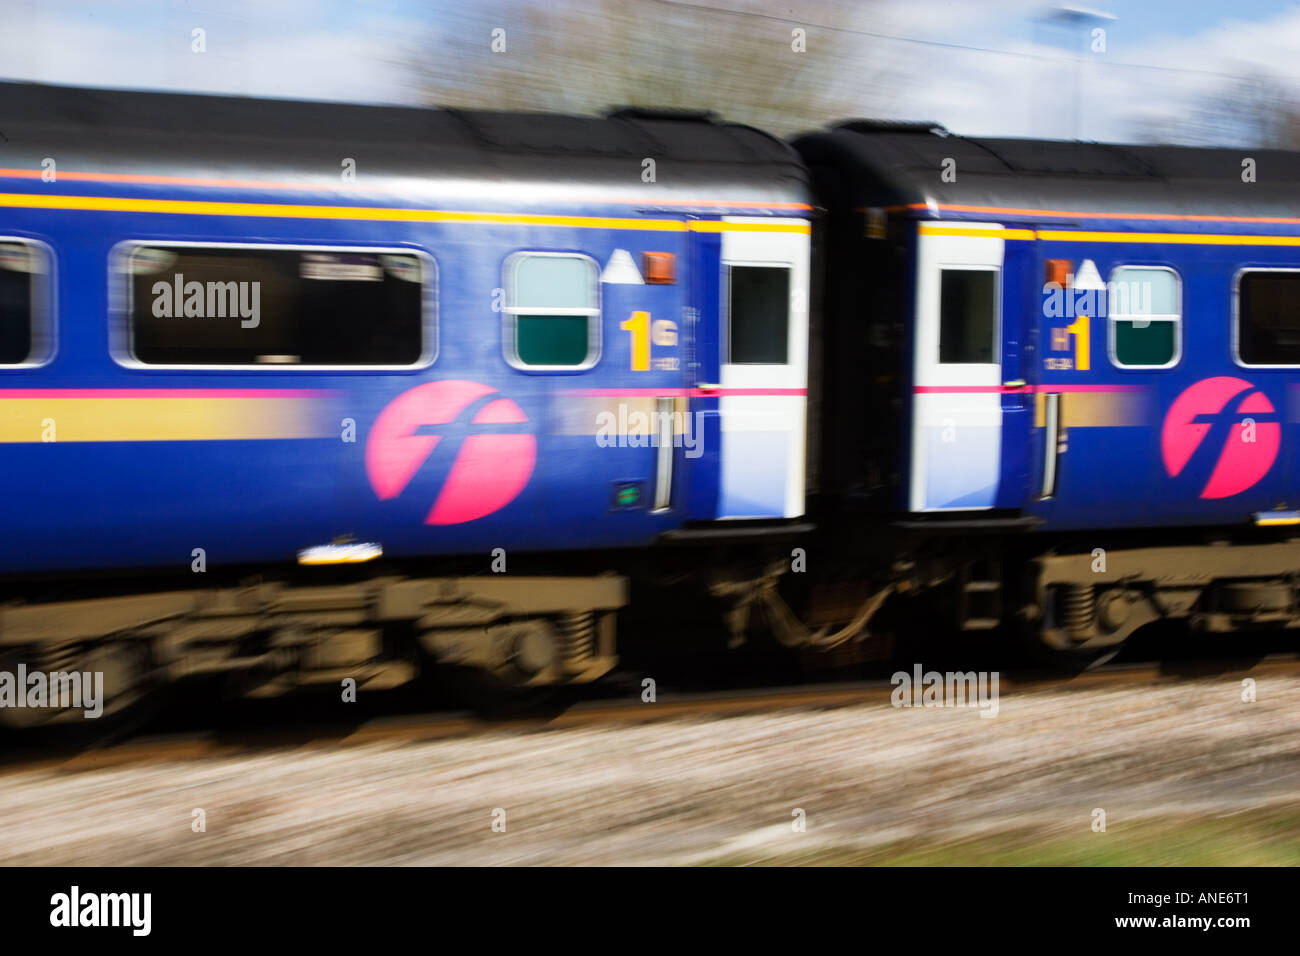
(1088, 277)
(621, 270)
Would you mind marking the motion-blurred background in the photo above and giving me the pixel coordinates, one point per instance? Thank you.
(1184, 71)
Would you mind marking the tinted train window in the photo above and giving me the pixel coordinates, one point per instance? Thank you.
(967, 316)
(1268, 318)
(552, 310)
(1145, 313)
(261, 306)
(23, 268)
(759, 315)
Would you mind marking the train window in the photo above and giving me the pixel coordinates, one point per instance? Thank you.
(272, 305)
(1145, 316)
(1268, 327)
(23, 293)
(967, 316)
(552, 312)
(758, 315)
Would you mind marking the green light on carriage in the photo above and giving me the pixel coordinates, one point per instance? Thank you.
(627, 496)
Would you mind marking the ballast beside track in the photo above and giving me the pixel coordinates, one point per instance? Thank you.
(414, 728)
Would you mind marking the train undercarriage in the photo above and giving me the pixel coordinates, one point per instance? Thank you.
(518, 632)
(272, 638)
(1075, 606)
(1070, 605)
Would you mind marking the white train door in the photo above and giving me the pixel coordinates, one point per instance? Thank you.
(764, 368)
(957, 400)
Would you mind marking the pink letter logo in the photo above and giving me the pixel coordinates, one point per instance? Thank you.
(490, 469)
(1241, 463)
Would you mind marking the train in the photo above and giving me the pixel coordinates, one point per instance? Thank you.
(298, 393)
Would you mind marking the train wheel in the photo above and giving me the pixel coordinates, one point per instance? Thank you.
(1079, 626)
(1061, 649)
(113, 696)
(495, 699)
(1068, 657)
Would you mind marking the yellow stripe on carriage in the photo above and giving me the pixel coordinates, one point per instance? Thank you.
(937, 230)
(1096, 409)
(35, 420)
(712, 225)
(1174, 238)
(1072, 235)
(183, 207)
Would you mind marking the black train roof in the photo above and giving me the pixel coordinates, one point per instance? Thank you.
(894, 164)
(304, 141)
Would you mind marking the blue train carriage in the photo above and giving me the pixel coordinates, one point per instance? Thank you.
(243, 335)
(1092, 351)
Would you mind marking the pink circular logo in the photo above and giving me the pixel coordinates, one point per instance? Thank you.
(1250, 446)
(491, 467)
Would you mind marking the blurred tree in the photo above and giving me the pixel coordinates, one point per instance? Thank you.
(1255, 109)
(741, 59)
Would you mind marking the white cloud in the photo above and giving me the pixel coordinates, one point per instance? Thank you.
(270, 49)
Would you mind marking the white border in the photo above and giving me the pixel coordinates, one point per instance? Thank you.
(983, 248)
(784, 414)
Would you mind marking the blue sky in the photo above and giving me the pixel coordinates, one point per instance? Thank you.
(1144, 21)
(362, 50)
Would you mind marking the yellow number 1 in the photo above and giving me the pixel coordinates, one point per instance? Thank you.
(639, 326)
(1079, 329)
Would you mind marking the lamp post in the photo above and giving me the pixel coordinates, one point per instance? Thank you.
(1074, 18)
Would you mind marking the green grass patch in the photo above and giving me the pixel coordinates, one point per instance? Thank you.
(1251, 838)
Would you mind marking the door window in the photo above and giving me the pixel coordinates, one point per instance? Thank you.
(759, 315)
(967, 316)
